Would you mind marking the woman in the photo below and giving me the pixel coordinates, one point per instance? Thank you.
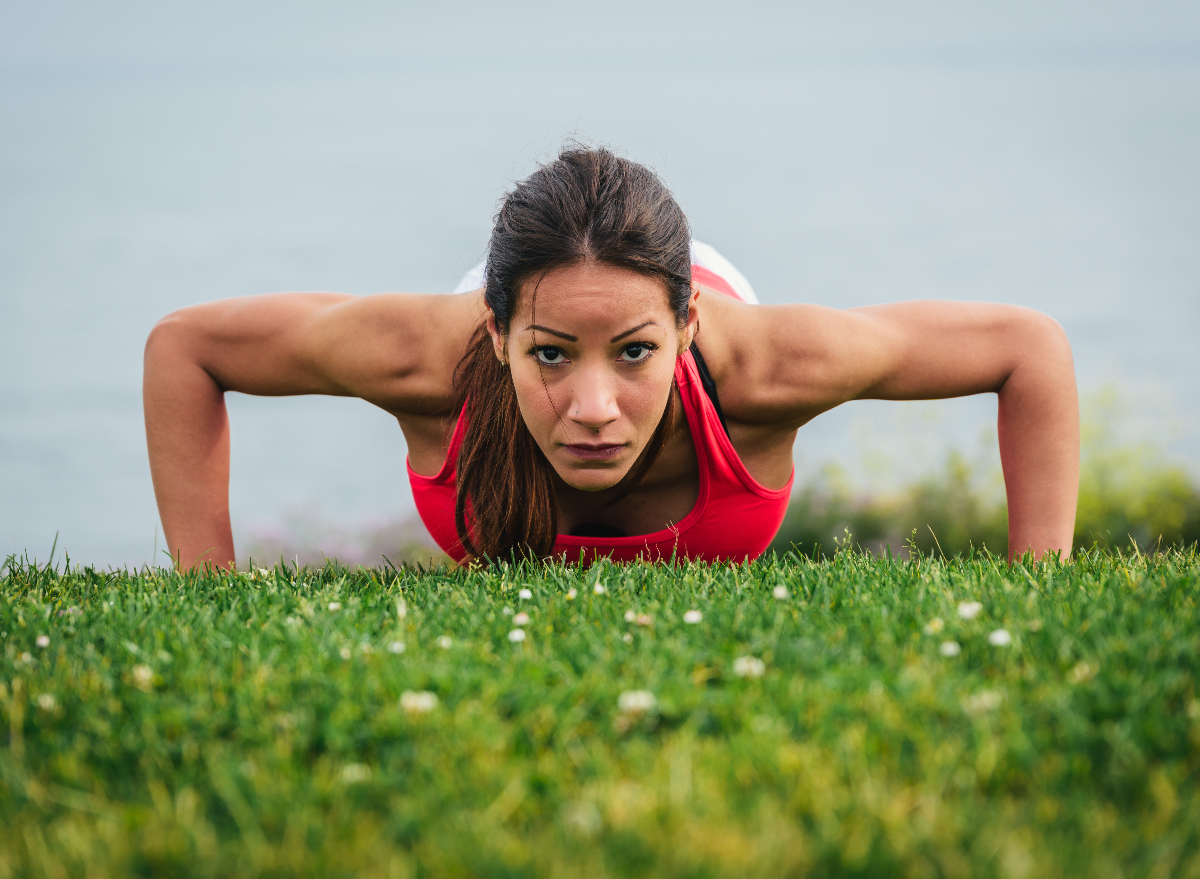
(566, 409)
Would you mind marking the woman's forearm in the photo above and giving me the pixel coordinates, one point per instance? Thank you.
(1038, 428)
(187, 434)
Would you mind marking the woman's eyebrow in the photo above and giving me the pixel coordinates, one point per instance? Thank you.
(566, 336)
(621, 336)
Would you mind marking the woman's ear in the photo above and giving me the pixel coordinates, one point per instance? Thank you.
(499, 340)
(693, 319)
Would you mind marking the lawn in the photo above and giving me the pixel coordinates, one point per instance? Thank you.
(851, 716)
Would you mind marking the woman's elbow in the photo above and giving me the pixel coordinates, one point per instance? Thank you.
(169, 337)
(1038, 336)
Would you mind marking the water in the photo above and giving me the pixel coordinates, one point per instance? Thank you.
(1043, 155)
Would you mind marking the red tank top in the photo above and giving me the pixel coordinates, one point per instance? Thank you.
(735, 518)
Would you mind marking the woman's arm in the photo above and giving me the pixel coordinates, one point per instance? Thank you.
(822, 357)
(390, 349)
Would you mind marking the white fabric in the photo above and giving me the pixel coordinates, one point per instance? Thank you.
(704, 255)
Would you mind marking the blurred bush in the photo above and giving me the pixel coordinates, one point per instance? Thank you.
(947, 509)
(1129, 494)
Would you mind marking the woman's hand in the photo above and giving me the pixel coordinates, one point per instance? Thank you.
(394, 350)
(799, 361)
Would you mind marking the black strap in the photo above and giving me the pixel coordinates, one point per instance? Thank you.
(710, 386)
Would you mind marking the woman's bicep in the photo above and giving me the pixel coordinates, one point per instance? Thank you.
(283, 344)
(935, 350)
(818, 358)
(252, 344)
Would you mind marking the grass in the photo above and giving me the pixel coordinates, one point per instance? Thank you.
(257, 725)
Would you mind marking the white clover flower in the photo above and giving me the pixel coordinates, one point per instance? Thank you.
(599, 588)
(934, 626)
(444, 642)
(630, 616)
(524, 594)
(516, 636)
(47, 702)
(571, 594)
(521, 619)
(644, 619)
(581, 817)
(263, 572)
(365, 647)
(749, 667)
(949, 648)
(637, 702)
(627, 637)
(335, 606)
(293, 621)
(1000, 638)
(780, 592)
(418, 701)
(984, 700)
(507, 611)
(396, 647)
(26, 656)
(345, 652)
(43, 641)
(693, 617)
(1082, 671)
(968, 610)
(143, 676)
(355, 772)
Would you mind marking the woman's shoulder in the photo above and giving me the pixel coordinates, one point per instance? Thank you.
(398, 350)
(769, 362)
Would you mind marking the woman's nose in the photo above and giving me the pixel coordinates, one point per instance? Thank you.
(593, 403)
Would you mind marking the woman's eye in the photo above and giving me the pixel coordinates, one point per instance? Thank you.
(636, 353)
(550, 356)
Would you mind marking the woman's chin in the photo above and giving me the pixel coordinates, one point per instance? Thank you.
(592, 479)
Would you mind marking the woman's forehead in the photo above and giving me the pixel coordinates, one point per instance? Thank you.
(593, 291)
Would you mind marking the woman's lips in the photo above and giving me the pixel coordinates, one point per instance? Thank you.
(599, 452)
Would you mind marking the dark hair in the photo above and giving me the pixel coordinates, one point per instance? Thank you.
(586, 205)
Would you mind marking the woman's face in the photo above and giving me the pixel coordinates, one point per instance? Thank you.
(592, 356)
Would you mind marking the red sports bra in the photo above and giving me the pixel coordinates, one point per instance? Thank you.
(735, 518)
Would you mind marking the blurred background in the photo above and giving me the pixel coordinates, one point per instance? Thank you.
(158, 155)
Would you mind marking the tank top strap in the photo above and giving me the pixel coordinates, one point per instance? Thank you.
(447, 471)
(721, 465)
(703, 420)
